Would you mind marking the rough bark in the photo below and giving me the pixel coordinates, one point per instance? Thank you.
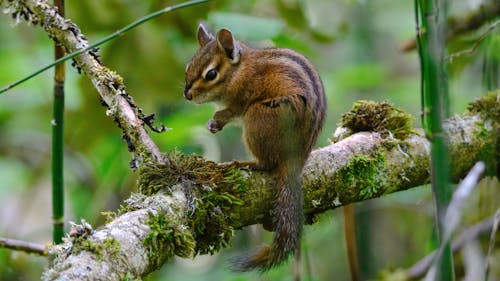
(362, 166)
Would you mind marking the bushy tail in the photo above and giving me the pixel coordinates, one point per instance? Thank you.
(287, 222)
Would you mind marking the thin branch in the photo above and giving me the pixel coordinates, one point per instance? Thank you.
(464, 23)
(489, 259)
(418, 270)
(454, 212)
(476, 44)
(23, 246)
(128, 116)
(110, 37)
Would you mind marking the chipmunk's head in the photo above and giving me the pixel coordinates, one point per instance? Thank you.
(209, 71)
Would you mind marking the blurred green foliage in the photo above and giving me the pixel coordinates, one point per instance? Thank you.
(354, 45)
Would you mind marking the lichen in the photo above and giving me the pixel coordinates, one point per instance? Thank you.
(365, 175)
(213, 193)
(381, 117)
(19, 12)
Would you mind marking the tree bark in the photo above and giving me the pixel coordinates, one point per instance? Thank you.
(330, 181)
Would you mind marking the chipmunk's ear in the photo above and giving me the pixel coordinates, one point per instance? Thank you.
(229, 45)
(204, 36)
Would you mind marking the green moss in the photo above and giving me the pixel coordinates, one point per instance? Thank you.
(488, 105)
(167, 238)
(193, 168)
(109, 247)
(108, 216)
(365, 174)
(382, 117)
(213, 194)
(129, 277)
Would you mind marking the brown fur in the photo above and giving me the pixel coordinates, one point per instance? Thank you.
(280, 98)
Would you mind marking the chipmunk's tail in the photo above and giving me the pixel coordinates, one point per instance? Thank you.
(287, 222)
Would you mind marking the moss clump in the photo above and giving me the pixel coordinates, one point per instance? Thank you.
(489, 105)
(365, 173)
(109, 247)
(166, 239)
(192, 168)
(108, 216)
(213, 195)
(382, 117)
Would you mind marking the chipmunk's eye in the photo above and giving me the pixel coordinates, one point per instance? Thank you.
(211, 74)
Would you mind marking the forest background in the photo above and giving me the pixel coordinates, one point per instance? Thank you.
(355, 45)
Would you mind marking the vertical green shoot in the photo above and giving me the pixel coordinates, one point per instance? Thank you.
(491, 63)
(57, 141)
(432, 48)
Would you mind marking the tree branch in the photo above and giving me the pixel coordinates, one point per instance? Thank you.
(23, 246)
(464, 24)
(195, 206)
(419, 269)
(109, 84)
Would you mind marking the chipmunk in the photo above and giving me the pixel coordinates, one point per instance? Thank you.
(280, 98)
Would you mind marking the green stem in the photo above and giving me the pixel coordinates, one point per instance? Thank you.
(435, 110)
(104, 40)
(491, 67)
(58, 141)
(420, 47)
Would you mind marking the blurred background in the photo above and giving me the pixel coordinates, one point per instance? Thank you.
(355, 45)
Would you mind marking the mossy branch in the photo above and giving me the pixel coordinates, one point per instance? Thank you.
(192, 206)
(112, 91)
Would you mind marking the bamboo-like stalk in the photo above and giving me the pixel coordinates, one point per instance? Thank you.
(435, 101)
(103, 40)
(491, 66)
(58, 141)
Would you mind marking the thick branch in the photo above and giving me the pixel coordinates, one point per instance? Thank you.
(360, 167)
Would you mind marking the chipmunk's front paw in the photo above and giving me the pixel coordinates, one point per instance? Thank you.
(213, 127)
